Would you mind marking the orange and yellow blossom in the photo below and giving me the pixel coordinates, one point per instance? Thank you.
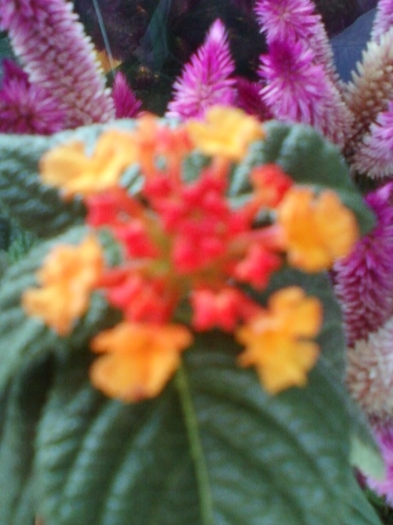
(69, 168)
(69, 275)
(226, 132)
(277, 340)
(140, 359)
(318, 228)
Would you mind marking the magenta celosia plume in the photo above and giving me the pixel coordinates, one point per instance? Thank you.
(206, 79)
(298, 89)
(364, 280)
(127, 104)
(54, 51)
(296, 20)
(26, 108)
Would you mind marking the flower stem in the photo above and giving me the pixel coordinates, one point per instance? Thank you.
(196, 449)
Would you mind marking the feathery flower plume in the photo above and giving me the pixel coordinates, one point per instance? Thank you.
(58, 57)
(298, 89)
(364, 279)
(370, 372)
(205, 80)
(25, 107)
(126, 103)
(296, 20)
(370, 90)
(383, 19)
(375, 156)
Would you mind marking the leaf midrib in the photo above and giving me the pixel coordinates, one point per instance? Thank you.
(196, 449)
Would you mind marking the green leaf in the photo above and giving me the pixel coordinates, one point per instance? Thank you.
(5, 49)
(101, 461)
(35, 207)
(360, 510)
(367, 457)
(309, 159)
(21, 410)
(213, 448)
(25, 339)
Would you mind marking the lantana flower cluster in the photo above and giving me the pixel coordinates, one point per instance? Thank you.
(190, 253)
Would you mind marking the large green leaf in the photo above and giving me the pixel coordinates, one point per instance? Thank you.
(35, 207)
(21, 410)
(213, 448)
(309, 159)
(25, 339)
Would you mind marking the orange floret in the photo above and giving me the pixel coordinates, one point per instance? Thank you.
(139, 360)
(318, 229)
(277, 340)
(69, 168)
(226, 132)
(68, 277)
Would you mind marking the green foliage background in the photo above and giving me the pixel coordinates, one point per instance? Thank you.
(213, 448)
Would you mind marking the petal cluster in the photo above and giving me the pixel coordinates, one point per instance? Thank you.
(69, 168)
(189, 256)
(319, 229)
(69, 275)
(277, 340)
(137, 359)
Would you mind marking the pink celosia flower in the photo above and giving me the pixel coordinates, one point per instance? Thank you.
(296, 20)
(298, 89)
(364, 279)
(126, 103)
(24, 107)
(383, 432)
(58, 57)
(370, 372)
(375, 155)
(205, 80)
(383, 19)
(249, 100)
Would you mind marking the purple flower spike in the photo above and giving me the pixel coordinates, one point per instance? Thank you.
(205, 80)
(364, 279)
(296, 20)
(298, 89)
(126, 103)
(58, 57)
(383, 19)
(26, 108)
